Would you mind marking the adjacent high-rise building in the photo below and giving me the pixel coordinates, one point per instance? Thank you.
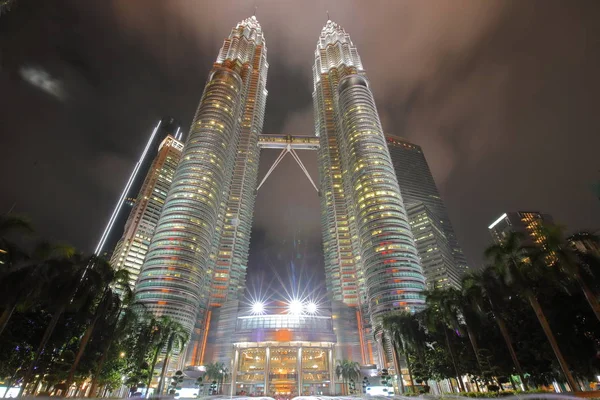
(115, 226)
(442, 257)
(528, 223)
(370, 257)
(199, 249)
(439, 265)
(131, 249)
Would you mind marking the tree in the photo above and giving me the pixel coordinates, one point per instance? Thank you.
(486, 287)
(442, 314)
(217, 372)
(347, 370)
(118, 326)
(107, 303)
(177, 338)
(559, 254)
(513, 263)
(28, 281)
(406, 334)
(12, 227)
(74, 286)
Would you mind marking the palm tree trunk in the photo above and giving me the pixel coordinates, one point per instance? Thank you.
(5, 317)
(460, 382)
(410, 376)
(40, 349)
(397, 362)
(507, 339)
(550, 336)
(589, 296)
(151, 370)
(82, 345)
(163, 371)
(474, 345)
(450, 384)
(94, 383)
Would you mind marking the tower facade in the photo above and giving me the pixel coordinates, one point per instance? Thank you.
(131, 249)
(206, 217)
(115, 226)
(418, 188)
(370, 257)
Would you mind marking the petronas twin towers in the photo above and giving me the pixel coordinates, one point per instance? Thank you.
(197, 258)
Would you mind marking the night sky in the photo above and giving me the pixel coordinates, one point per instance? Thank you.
(502, 96)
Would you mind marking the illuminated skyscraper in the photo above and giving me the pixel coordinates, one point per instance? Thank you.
(200, 245)
(418, 188)
(195, 268)
(131, 249)
(370, 254)
(115, 226)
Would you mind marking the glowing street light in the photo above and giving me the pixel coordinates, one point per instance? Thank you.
(311, 307)
(295, 307)
(258, 308)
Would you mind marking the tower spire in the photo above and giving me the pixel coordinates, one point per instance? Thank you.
(328, 19)
(255, 9)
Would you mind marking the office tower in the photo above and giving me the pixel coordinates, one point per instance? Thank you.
(370, 254)
(438, 262)
(418, 186)
(131, 249)
(528, 223)
(115, 226)
(204, 226)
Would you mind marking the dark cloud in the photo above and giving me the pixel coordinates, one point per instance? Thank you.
(501, 95)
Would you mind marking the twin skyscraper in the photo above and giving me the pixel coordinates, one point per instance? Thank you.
(197, 257)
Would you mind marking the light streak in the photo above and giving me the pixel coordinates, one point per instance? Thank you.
(120, 202)
(496, 222)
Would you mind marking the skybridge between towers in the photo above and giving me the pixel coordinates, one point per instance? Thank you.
(288, 145)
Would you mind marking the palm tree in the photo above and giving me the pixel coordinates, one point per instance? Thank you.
(158, 341)
(382, 336)
(347, 370)
(560, 254)
(121, 323)
(514, 265)
(13, 224)
(178, 337)
(406, 334)
(485, 287)
(108, 302)
(10, 253)
(216, 371)
(442, 313)
(71, 290)
(24, 284)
